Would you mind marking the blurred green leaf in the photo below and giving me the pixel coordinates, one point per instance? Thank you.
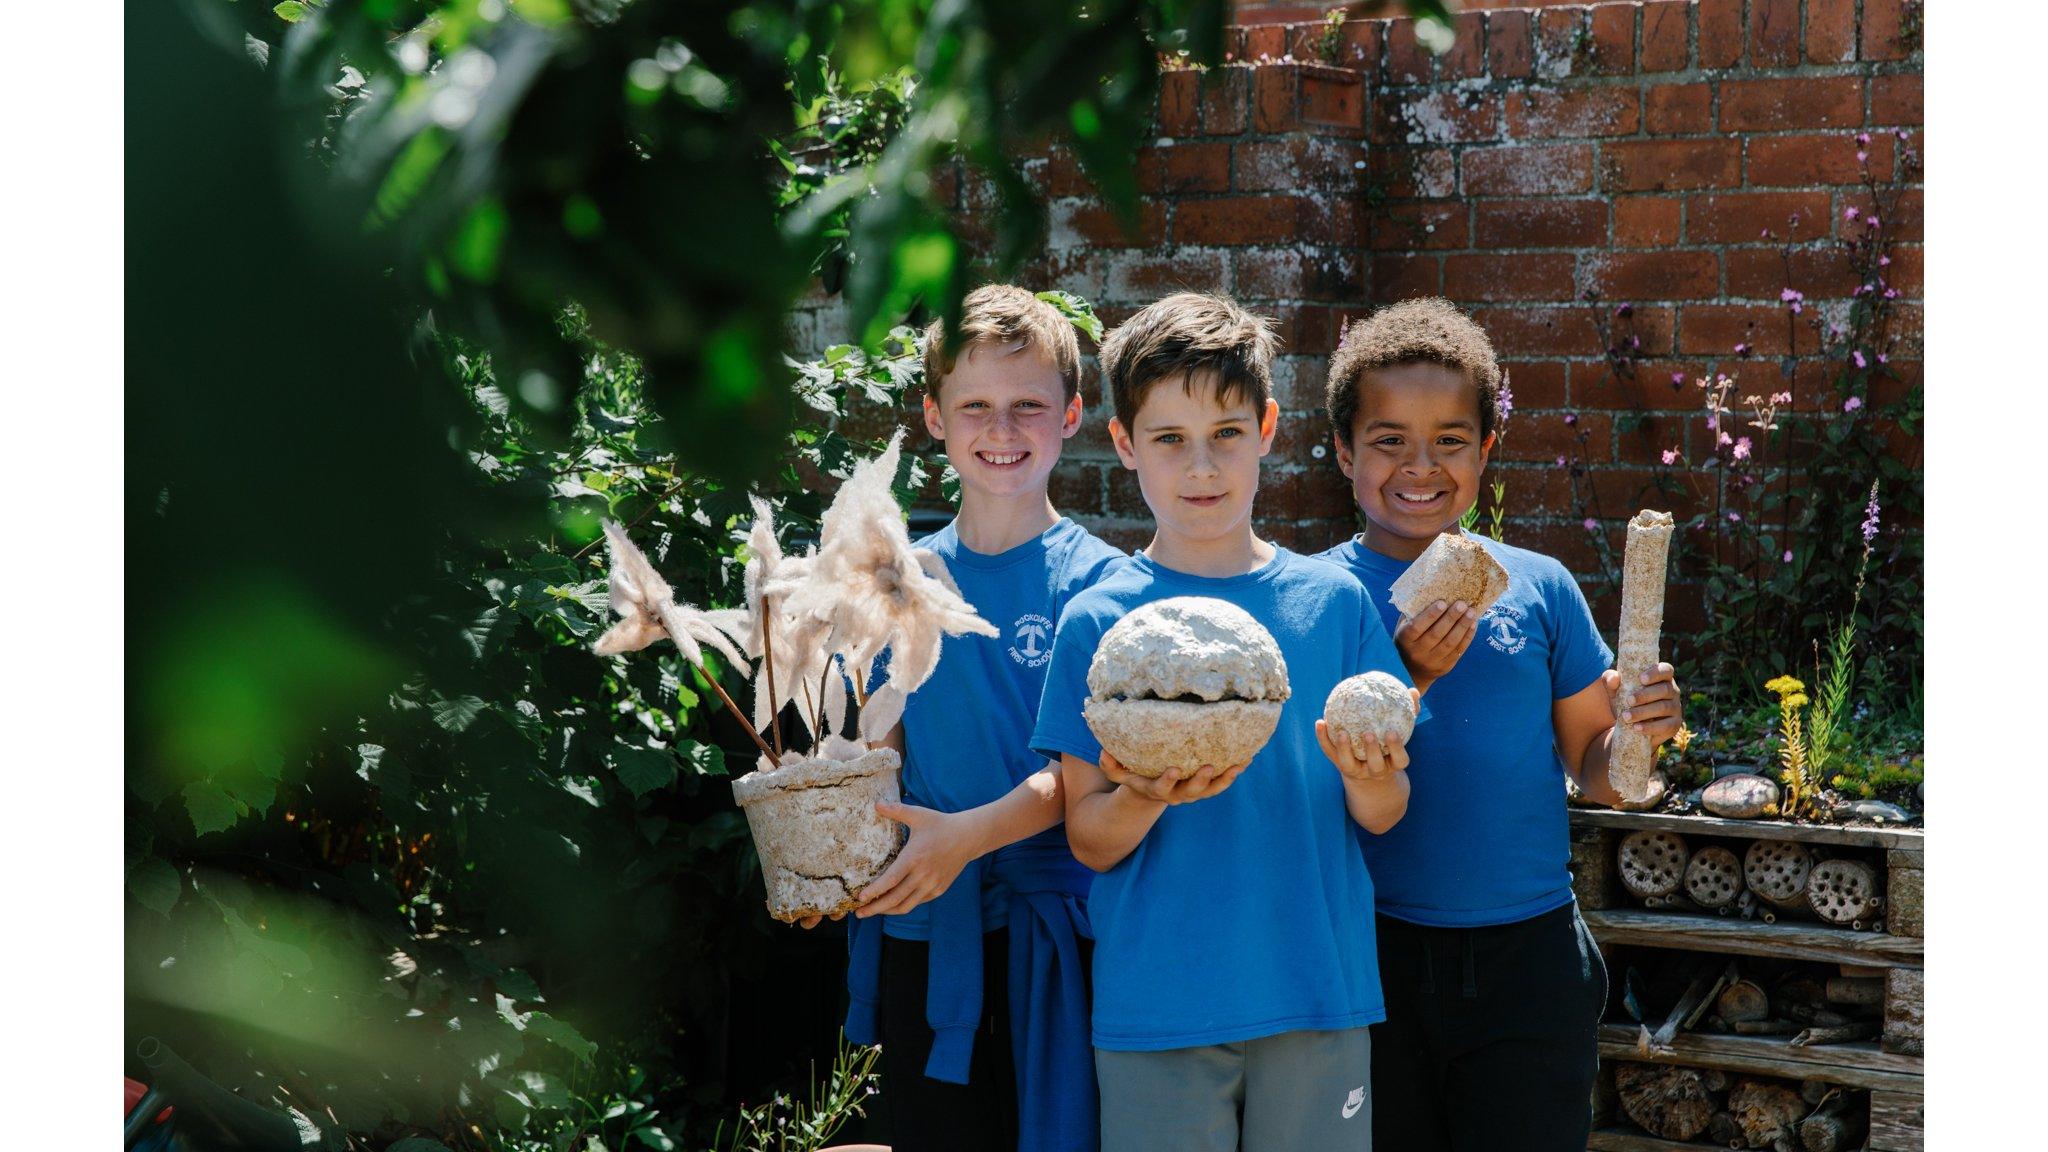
(155, 884)
(211, 808)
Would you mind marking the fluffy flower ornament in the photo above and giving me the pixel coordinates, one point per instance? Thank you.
(868, 589)
(648, 610)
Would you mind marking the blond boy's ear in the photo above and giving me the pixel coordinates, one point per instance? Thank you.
(1269, 423)
(1121, 438)
(1072, 421)
(934, 419)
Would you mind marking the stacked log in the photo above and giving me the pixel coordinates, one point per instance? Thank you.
(1684, 1104)
(1776, 870)
(1771, 878)
(1713, 878)
(1844, 892)
(1652, 864)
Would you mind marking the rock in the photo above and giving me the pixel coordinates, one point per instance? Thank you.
(1741, 797)
(1721, 770)
(1873, 812)
(1368, 704)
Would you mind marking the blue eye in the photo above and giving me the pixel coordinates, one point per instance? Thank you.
(1168, 438)
(1229, 432)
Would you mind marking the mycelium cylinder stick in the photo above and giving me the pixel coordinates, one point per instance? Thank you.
(1632, 760)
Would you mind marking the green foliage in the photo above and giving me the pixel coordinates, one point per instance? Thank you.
(511, 780)
(785, 1125)
(1878, 777)
(1779, 497)
(509, 157)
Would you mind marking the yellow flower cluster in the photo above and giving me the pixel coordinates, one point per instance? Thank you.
(1785, 685)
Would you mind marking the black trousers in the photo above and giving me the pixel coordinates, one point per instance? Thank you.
(1489, 1042)
(927, 1115)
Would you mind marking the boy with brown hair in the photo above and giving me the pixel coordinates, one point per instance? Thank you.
(968, 959)
(1234, 969)
(1494, 987)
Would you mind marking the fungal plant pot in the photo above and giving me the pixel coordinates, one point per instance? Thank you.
(814, 826)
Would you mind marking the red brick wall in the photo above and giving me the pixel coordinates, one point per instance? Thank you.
(1637, 151)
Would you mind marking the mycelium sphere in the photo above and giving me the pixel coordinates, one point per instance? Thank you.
(1184, 682)
(1367, 705)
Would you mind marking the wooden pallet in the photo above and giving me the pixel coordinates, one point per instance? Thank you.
(1890, 1070)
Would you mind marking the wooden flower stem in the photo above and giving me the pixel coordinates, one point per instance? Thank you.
(746, 721)
(768, 666)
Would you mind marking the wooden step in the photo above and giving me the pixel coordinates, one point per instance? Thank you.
(1731, 934)
(1861, 1065)
(1863, 835)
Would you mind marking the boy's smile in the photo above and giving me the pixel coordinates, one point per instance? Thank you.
(1002, 412)
(1414, 455)
(1197, 460)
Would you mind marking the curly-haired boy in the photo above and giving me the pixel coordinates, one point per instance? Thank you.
(1494, 987)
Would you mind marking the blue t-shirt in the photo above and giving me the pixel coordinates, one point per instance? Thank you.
(967, 731)
(1485, 840)
(1250, 913)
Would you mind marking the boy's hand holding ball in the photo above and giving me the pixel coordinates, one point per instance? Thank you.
(1366, 723)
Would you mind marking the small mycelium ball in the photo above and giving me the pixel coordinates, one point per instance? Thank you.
(1369, 704)
(1184, 682)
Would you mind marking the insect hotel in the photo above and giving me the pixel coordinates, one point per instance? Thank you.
(1765, 982)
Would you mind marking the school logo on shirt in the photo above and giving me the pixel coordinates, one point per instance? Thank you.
(1354, 1102)
(1031, 640)
(1502, 625)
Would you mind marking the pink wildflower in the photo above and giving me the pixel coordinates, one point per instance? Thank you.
(1781, 397)
(1735, 517)
(1788, 555)
(1742, 448)
(1852, 403)
(1726, 439)
(1560, 461)
(1592, 525)
(1851, 212)
(1857, 356)
(1671, 455)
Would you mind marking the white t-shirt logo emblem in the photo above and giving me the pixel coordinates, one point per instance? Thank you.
(1031, 640)
(1503, 627)
(1354, 1102)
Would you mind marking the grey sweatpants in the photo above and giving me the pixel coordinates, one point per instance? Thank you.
(1294, 1092)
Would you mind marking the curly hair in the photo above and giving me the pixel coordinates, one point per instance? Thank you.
(999, 315)
(1183, 335)
(1427, 330)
